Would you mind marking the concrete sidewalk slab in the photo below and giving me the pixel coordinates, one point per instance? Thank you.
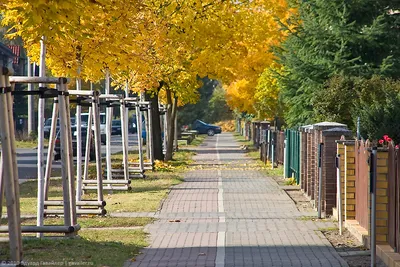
(225, 216)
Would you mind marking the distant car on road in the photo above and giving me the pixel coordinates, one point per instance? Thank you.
(205, 128)
(85, 119)
(57, 147)
(116, 127)
(47, 126)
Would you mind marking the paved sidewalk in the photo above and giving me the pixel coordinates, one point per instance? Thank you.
(227, 216)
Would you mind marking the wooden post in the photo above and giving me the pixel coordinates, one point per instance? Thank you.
(97, 140)
(139, 134)
(71, 171)
(50, 150)
(65, 170)
(1, 186)
(31, 105)
(124, 139)
(89, 140)
(165, 141)
(176, 131)
(109, 116)
(10, 172)
(10, 101)
(78, 125)
(87, 151)
(126, 127)
(150, 120)
(40, 151)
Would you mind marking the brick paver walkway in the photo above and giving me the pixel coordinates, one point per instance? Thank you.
(224, 215)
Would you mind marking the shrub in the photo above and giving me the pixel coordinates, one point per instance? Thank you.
(378, 106)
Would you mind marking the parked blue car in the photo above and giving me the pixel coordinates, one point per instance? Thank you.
(205, 128)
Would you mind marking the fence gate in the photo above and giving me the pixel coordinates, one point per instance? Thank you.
(292, 154)
(361, 183)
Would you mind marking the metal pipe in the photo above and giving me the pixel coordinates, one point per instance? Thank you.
(373, 171)
(339, 194)
(320, 151)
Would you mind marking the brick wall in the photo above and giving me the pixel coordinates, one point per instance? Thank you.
(382, 207)
(310, 164)
(341, 151)
(329, 176)
(316, 142)
(329, 180)
(350, 178)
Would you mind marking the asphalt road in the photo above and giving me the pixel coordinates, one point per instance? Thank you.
(27, 158)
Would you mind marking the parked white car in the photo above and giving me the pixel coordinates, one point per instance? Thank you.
(85, 118)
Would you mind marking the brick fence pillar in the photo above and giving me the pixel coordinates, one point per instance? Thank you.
(310, 163)
(382, 192)
(350, 180)
(329, 180)
(340, 150)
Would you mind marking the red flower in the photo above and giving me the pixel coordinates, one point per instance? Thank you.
(381, 141)
(385, 137)
(389, 139)
(397, 147)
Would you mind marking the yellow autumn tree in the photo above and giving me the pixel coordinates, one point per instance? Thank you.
(155, 44)
(259, 32)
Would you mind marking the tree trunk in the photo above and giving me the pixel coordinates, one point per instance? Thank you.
(155, 113)
(171, 113)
